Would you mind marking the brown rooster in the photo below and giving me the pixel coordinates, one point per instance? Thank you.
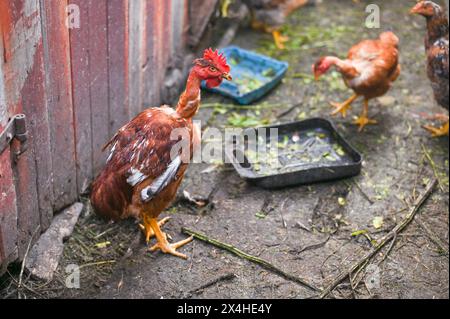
(436, 46)
(147, 160)
(369, 70)
(270, 15)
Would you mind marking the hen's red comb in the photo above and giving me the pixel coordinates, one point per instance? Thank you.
(217, 59)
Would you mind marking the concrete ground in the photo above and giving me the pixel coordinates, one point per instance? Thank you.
(307, 230)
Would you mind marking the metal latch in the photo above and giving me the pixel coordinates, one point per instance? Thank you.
(16, 128)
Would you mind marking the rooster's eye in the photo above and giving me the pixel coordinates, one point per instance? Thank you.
(212, 69)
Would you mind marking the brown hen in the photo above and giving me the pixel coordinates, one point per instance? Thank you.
(369, 70)
(436, 47)
(150, 154)
(270, 15)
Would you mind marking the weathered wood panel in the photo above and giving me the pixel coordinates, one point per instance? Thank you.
(135, 63)
(118, 64)
(34, 100)
(8, 208)
(8, 211)
(79, 49)
(58, 82)
(150, 78)
(21, 37)
(178, 19)
(98, 81)
(165, 29)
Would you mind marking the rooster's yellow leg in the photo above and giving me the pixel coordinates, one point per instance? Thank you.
(163, 244)
(279, 39)
(363, 120)
(437, 131)
(343, 107)
(147, 229)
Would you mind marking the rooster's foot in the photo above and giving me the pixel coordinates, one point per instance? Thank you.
(439, 117)
(340, 108)
(343, 107)
(437, 131)
(279, 39)
(148, 231)
(163, 244)
(168, 248)
(362, 121)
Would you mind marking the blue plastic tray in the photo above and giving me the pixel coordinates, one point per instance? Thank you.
(248, 64)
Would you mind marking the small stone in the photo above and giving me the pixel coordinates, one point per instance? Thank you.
(386, 100)
(377, 222)
(44, 256)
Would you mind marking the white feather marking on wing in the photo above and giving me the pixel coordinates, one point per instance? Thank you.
(111, 153)
(365, 70)
(162, 181)
(136, 176)
(168, 110)
(441, 42)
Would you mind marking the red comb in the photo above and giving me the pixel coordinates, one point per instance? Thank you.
(217, 59)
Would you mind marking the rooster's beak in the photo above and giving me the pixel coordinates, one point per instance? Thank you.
(316, 74)
(227, 76)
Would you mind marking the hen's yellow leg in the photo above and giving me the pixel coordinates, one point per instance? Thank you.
(147, 229)
(163, 244)
(279, 39)
(437, 131)
(343, 107)
(363, 120)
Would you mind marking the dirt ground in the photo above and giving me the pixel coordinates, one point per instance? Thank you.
(306, 230)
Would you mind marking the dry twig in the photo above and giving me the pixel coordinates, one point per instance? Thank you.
(225, 277)
(433, 166)
(19, 285)
(391, 235)
(251, 258)
(436, 240)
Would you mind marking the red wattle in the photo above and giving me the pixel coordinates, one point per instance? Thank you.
(211, 83)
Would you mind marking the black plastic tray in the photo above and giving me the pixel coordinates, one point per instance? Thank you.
(296, 172)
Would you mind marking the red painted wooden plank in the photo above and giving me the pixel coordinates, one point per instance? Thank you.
(22, 41)
(150, 58)
(8, 211)
(34, 102)
(98, 80)
(178, 18)
(185, 24)
(79, 48)
(151, 61)
(2, 253)
(8, 208)
(59, 89)
(136, 35)
(166, 36)
(118, 46)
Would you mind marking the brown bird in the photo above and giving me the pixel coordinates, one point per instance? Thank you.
(270, 15)
(150, 154)
(369, 70)
(436, 47)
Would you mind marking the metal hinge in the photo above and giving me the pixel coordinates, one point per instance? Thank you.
(15, 129)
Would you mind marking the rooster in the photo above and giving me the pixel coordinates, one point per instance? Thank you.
(147, 161)
(369, 70)
(436, 46)
(270, 15)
